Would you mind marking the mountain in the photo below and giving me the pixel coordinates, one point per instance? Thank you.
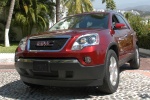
(144, 8)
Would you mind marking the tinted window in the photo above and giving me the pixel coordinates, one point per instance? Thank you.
(82, 22)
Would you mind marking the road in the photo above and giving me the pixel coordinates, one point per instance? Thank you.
(134, 85)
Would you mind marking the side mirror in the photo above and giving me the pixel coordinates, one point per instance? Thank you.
(120, 25)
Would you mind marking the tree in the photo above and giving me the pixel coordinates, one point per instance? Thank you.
(110, 5)
(2, 21)
(28, 15)
(8, 23)
(128, 15)
(105, 1)
(57, 10)
(33, 14)
(2, 5)
(74, 6)
(78, 6)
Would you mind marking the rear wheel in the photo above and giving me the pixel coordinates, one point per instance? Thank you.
(111, 78)
(135, 62)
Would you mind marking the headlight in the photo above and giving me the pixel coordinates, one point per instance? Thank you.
(86, 40)
(22, 43)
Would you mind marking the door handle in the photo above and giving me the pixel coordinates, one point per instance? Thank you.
(125, 35)
(131, 33)
(122, 38)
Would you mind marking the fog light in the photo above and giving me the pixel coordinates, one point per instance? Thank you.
(87, 59)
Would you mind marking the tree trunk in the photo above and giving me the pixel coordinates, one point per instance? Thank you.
(8, 23)
(57, 10)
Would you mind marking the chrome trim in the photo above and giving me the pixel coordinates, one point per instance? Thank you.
(50, 61)
(62, 36)
(41, 37)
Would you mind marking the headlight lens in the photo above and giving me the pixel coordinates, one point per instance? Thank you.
(22, 43)
(86, 40)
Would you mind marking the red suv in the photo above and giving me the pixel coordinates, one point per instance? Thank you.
(80, 50)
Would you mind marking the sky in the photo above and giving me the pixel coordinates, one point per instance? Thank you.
(121, 4)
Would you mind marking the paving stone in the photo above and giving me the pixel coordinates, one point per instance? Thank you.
(132, 86)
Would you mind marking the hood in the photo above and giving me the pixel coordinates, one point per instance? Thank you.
(72, 33)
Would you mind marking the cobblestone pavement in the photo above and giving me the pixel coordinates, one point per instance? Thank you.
(133, 86)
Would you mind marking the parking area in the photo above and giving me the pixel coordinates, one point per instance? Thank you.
(134, 85)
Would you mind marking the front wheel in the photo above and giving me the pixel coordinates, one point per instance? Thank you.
(111, 78)
(135, 62)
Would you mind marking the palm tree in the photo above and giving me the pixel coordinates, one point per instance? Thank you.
(2, 4)
(33, 14)
(2, 22)
(110, 5)
(57, 10)
(8, 23)
(105, 1)
(74, 6)
(28, 14)
(78, 6)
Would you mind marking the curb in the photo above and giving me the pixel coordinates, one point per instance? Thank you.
(5, 55)
(144, 51)
(7, 58)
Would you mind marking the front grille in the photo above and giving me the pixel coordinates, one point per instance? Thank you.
(47, 43)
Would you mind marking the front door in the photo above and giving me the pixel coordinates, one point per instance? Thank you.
(120, 38)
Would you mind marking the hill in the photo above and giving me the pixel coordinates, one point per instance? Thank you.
(144, 8)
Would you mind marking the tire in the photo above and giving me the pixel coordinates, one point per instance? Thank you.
(31, 85)
(135, 62)
(111, 78)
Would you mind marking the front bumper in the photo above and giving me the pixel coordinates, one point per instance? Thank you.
(61, 72)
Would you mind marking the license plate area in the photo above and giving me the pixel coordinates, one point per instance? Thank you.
(41, 66)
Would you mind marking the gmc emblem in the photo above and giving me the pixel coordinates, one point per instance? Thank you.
(45, 43)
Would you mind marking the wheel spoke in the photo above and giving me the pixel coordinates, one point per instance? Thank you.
(115, 75)
(113, 71)
(137, 56)
(111, 78)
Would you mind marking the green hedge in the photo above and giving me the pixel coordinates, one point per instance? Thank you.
(144, 41)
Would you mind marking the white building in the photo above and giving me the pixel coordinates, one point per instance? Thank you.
(132, 11)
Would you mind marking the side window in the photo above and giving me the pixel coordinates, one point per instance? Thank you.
(121, 20)
(114, 21)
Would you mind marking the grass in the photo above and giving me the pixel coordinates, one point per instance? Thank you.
(10, 49)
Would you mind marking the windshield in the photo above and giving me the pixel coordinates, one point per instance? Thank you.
(82, 22)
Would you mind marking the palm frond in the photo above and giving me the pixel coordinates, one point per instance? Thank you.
(43, 21)
(78, 6)
(32, 15)
(20, 18)
(26, 8)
